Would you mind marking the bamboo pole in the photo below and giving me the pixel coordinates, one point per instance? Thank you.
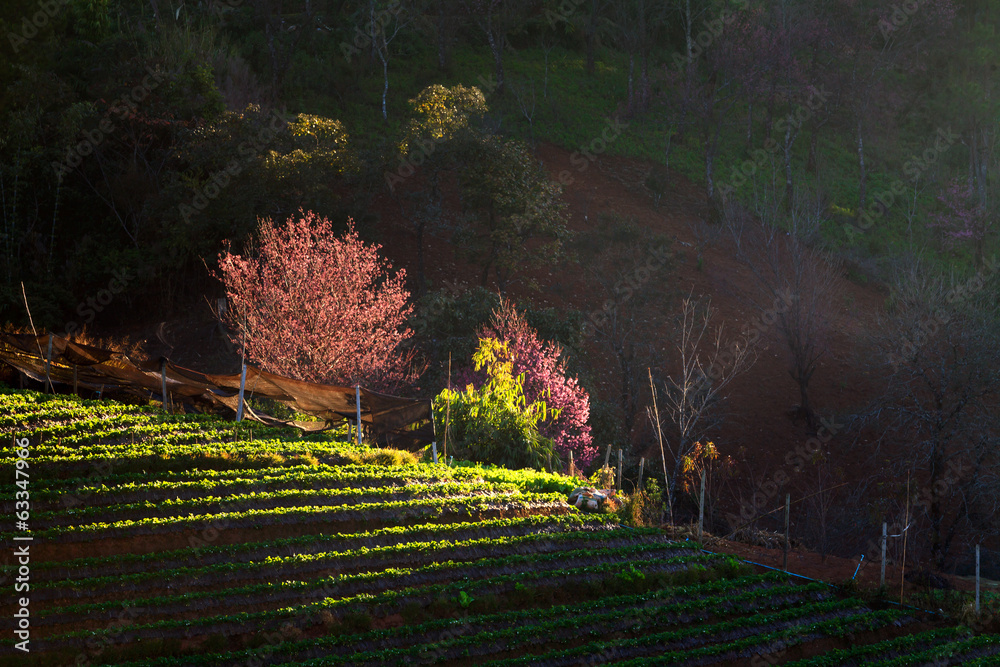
(701, 507)
(663, 456)
(447, 411)
(48, 366)
(618, 481)
(788, 509)
(977, 580)
(166, 400)
(642, 461)
(884, 537)
(906, 526)
(357, 403)
(243, 384)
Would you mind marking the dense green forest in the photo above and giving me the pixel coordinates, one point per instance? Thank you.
(136, 136)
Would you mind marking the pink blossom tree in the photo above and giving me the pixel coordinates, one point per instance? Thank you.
(545, 379)
(317, 307)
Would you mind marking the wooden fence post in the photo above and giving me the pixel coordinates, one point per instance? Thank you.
(434, 450)
(977, 580)
(884, 537)
(357, 403)
(166, 398)
(701, 508)
(48, 366)
(788, 508)
(607, 456)
(243, 384)
(641, 462)
(572, 472)
(619, 479)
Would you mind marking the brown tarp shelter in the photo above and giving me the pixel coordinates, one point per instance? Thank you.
(48, 358)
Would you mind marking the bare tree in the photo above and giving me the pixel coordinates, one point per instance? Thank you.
(794, 283)
(705, 364)
(383, 25)
(938, 352)
(496, 18)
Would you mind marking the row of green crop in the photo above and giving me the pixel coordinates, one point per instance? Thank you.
(396, 637)
(269, 500)
(124, 487)
(759, 645)
(393, 513)
(25, 409)
(906, 645)
(132, 563)
(408, 554)
(561, 553)
(983, 648)
(83, 440)
(568, 624)
(336, 603)
(842, 612)
(164, 456)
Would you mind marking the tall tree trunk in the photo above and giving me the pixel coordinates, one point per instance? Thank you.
(496, 48)
(443, 36)
(590, 37)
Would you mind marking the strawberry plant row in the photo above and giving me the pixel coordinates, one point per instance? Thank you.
(166, 455)
(132, 563)
(389, 513)
(335, 605)
(727, 631)
(123, 491)
(571, 555)
(269, 500)
(752, 649)
(959, 652)
(411, 554)
(907, 645)
(571, 623)
(449, 628)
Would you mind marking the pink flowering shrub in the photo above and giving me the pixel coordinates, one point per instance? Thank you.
(545, 380)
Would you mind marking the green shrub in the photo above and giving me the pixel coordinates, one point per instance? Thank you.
(494, 424)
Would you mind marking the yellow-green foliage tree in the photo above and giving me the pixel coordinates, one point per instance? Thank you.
(495, 423)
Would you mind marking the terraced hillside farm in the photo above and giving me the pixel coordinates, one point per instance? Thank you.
(160, 540)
